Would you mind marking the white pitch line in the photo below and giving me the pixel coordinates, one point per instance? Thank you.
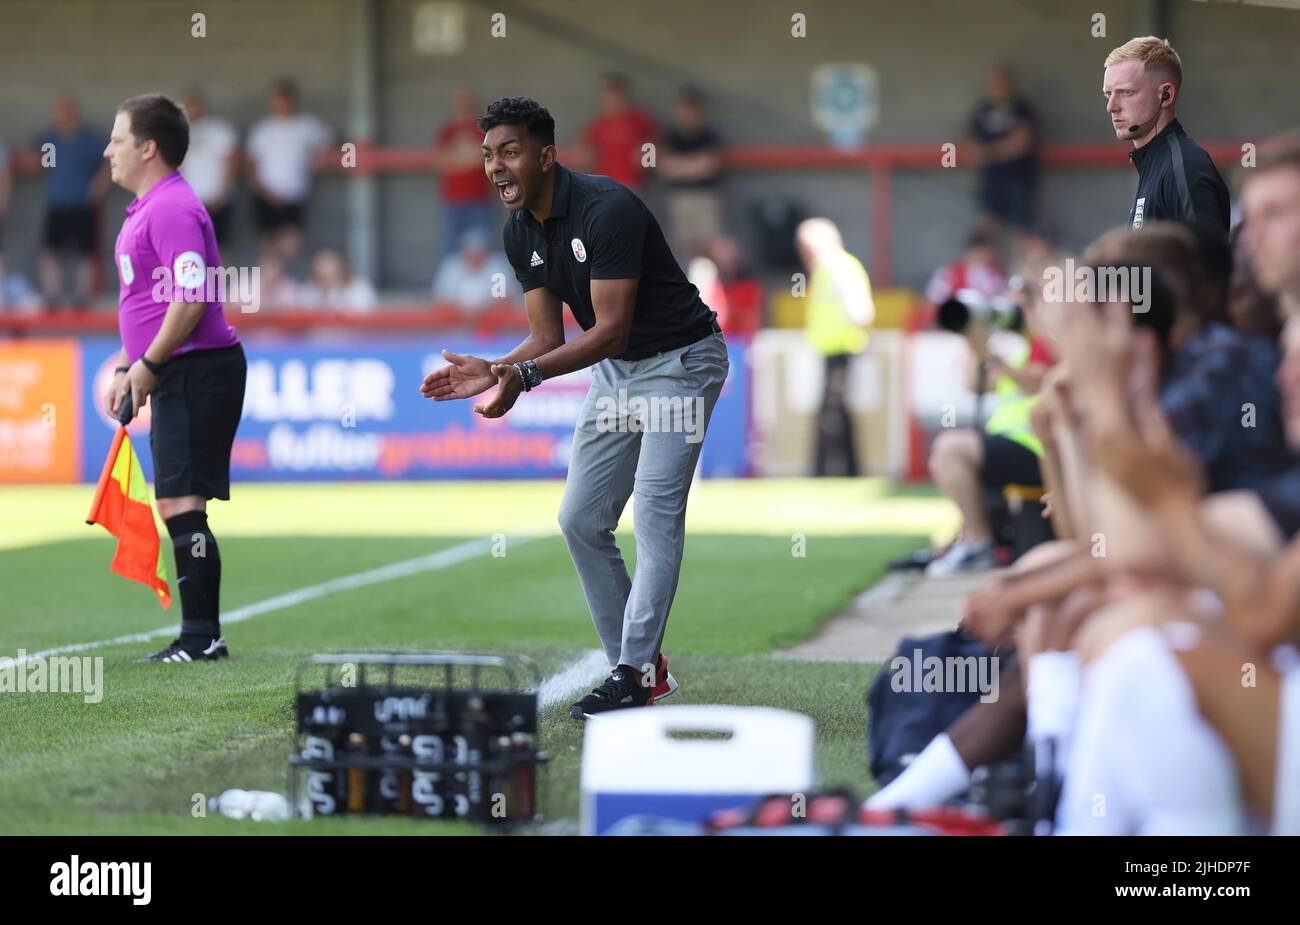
(586, 671)
(432, 562)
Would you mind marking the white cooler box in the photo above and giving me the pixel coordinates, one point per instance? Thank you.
(637, 762)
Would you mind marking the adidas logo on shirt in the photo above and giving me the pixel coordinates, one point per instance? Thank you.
(536, 261)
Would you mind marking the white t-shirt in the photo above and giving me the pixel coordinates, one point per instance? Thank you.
(204, 168)
(282, 149)
(357, 296)
(472, 290)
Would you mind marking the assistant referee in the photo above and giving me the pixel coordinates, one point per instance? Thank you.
(178, 351)
(589, 241)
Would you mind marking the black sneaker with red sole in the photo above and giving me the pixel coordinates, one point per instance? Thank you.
(665, 683)
(620, 691)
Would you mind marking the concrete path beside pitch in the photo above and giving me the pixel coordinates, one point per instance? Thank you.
(900, 604)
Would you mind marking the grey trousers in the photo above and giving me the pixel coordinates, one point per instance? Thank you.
(640, 432)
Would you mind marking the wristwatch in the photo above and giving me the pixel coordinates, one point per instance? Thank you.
(531, 375)
(155, 368)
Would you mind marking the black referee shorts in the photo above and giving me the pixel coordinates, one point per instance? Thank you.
(196, 409)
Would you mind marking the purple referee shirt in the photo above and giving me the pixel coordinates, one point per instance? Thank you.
(168, 227)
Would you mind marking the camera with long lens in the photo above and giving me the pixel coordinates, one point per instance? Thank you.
(970, 307)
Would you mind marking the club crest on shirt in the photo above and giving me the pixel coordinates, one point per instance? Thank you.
(578, 250)
(1138, 209)
(125, 268)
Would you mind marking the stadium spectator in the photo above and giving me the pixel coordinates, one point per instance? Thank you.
(283, 150)
(1002, 138)
(458, 159)
(612, 144)
(977, 268)
(729, 257)
(332, 285)
(840, 310)
(742, 310)
(966, 461)
(691, 160)
(474, 276)
(15, 291)
(276, 288)
(212, 162)
(75, 185)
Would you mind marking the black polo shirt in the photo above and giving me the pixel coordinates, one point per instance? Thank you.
(1178, 182)
(599, 229)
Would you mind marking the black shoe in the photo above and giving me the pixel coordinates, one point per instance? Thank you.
(620, 691)
(180, 651)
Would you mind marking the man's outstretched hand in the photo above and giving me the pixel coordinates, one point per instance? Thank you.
(462, 377)
(511, 385)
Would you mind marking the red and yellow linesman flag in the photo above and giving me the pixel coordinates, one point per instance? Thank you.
(122, 506)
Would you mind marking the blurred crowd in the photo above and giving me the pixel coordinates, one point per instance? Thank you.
(278, 161)
(271, 165)
(274, 168)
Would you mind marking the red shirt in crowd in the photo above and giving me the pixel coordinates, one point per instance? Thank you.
(616, 141)
(471, 184)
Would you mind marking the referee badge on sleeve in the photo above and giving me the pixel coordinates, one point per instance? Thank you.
(578, 250)
(188, 270)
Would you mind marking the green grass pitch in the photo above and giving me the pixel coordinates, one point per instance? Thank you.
(133, 762)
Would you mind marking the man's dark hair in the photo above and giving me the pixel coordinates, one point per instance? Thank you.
(156, 118)
(520, 110)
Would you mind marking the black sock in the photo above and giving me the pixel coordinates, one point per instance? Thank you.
(198, 576)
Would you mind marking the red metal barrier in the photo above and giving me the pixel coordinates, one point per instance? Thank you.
(880, 160)
(295, 321)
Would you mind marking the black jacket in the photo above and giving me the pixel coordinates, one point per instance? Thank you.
(1178, 182)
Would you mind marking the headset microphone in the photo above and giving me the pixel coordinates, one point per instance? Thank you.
(1141, 127)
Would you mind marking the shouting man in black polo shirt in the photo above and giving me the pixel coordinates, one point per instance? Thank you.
(1177, 181)
(659, 361)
